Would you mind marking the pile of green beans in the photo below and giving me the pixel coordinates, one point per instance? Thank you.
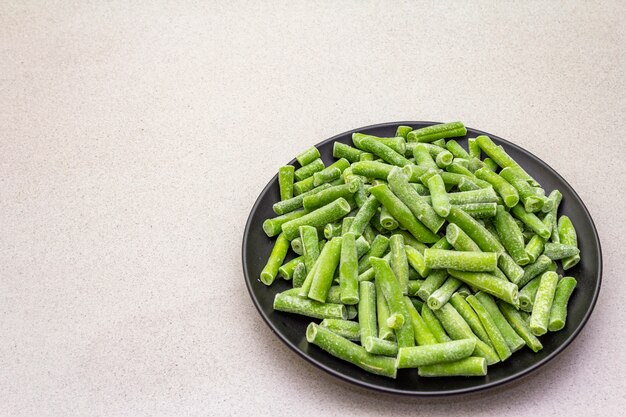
(415, 253)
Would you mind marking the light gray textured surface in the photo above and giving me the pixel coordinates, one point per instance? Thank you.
(134, 140)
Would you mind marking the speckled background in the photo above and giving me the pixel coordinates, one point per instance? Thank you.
(134, 139)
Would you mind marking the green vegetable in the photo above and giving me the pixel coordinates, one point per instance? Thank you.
(558, 312)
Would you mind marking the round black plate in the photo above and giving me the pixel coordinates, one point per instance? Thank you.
(290, 328)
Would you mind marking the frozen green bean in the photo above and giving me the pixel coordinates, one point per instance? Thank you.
(308, 155)
(540, 315)
(423, 335)
(413, 286)
(378, 346)
(423, 157)
(286, 270)
(344, 349)
(399, 263)
(317, 218)
(531, 201)
(317, 200)
(386, 219)
(412, 357)
(439, 196)
(403, 131)
(556, 251)
(285, 206)
(367, 310)
(345, 328)
(442, 294)
(531, 220)
(299, 275)
(462, 261)
(490, 284)
(308, 170)
(327, 263)
(527, 295)
(510, 236)
(273, 226)
(567, 236)
(349, 270)
(535, 269)
(434, 325)
(377, 249)
(341, 150)
(275, 260)
(534, 247)
(364, 215)
(473, 148)
(438, 131)
(481, 195)
(472, 366)
(558, 311)
(556, 197)
(416, 261)
(379, 149)
(470, 317)
(382, 314)
(372, 169)
(309, 308)
(479, 210)
(500, 157)
(285, 181)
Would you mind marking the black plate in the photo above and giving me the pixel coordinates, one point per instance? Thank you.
(290, 328)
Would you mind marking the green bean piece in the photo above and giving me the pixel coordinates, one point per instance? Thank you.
(490, 164)
(479, 210)
(456, 149)
(518, 323)
(344, 328)
(377, 249)
(540, 315)
(421, 189)
(372, 169)
(433, 281)
(443, 159)
(367, 310)
(341, 150)
(472, 366)
(332, 230)
(369, 233)
(440, 199)
(466, 184)
(567, 236)
(556, 251)
(377, 346)
(392, 293)
(412, 357)
(309, 308)
(272, 227)
(330, 194)
(317, 218)
(368, 274)
(481, 195)
(442, 294)
(375, 223)
(490, 284)
(414, 172)
(360, 196)
(478, 233)
(364, 215)
(399, 185)
(285, 206)
(513, 340)
(362, 246)
(508, 193)
(473, 148)
(285, 181)
(463, 261)
(534, 247)
(470, 317)
(438, 131)
(531, 201)
(434, 325)
(527, 295)
(558, 312)
(403, 131)
(382, 314)
(386, 219)
(369, 144)
(349, 270)
(299, 275)
(457, 328)
(533, 270)
(510, 236)
(366, 156)
(497, 340)
(399, 263)
(459, 239)
(500, 157)
(531, 220)
(409, 240)
(342, 348)
(326, 175)
(304, 186)
(275, 260)
(402, 214)
(346, 223)
(397, 143)
(286, 270)
(416, 261)
(555, 197)
(423, 157)
(307, 171)
(323, 277)
(464, 291)
(423, 335)
(308, 155)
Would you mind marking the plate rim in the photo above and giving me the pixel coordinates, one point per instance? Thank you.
(482, 387)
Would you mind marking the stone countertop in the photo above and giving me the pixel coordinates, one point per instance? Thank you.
(135, 138)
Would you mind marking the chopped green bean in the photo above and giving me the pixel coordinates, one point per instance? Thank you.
(556, 251)
(508, 193)
(463, 261)
(285, 206)
(386, 219)
(470, 316)
(540, 316)
(412, 357)
(514, 318)
(532, 270)
(308, 170)
(341, 150)
(349, 270)
(399, 263)
(567, 236)
(497, 340)
(345, 328)
(472, 366)
(527, 295)
(558, 312)
(317, 218)
(378, 346)
(273, 226)
(510, 236)
(286, 270)
(367, 310)
(308, 155)
(442, 294)
(490, 284)
(275, 260)
(382, 314)
(438, 131)
(309, 308)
